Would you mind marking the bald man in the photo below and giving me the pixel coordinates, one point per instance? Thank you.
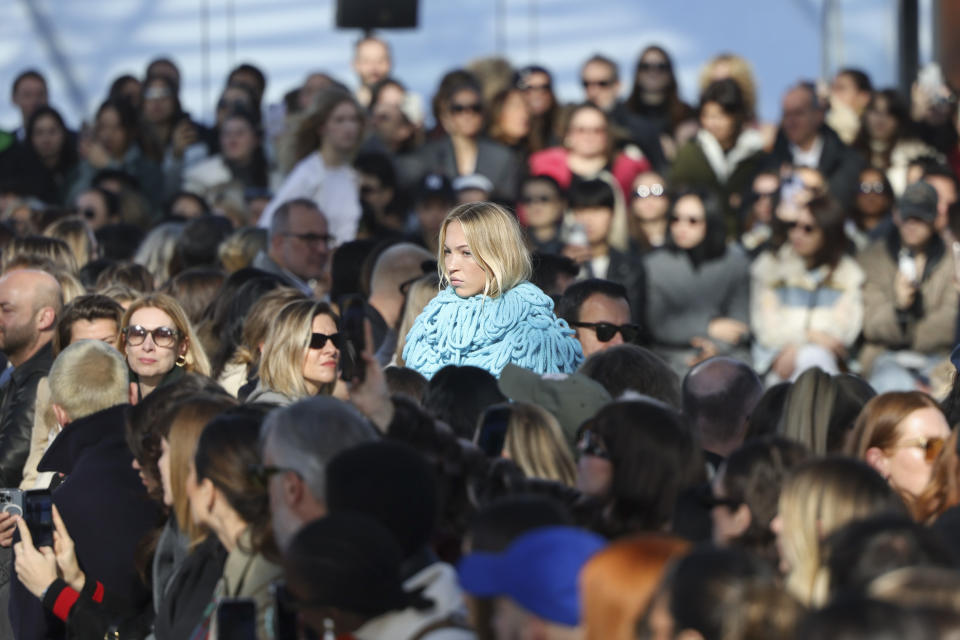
(396, 266)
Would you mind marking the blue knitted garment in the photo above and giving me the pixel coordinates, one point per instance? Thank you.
(516, 327)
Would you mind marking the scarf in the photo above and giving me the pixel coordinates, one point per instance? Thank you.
(517, 327)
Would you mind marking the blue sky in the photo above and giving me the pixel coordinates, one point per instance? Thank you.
(290, 38)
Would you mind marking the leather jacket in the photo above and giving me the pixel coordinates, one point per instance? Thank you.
(17, 406)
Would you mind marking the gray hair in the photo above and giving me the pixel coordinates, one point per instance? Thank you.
(306, 435)
(280, 221)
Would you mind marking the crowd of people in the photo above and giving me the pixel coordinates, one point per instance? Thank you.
(620, 369)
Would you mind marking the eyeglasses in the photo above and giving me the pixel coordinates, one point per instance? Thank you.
(366, 190)
(603, 84)
(805, 228)
(536, 199)
(474, 107)
(261, 473)
(536, 87)
(591, 444)
(757, 195)
(654, 190)
(931, 446)
(591, 130)
(662, 67)
(872, 187)
(162, 336)
(313, 238)
(89, 213)
(706, 497)
(606, 330)
(319, 340)
(690, 220)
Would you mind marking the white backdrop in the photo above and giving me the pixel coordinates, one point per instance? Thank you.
(99, 39)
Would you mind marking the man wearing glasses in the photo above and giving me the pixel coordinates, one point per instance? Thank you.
(600, 79)
(299, 247)
(599, 311)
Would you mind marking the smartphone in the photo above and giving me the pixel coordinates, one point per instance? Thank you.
(907, 265)
(38, 513)
(285, 625)
(237, 619)
(492, 433)
(354, 340)
(11, 501)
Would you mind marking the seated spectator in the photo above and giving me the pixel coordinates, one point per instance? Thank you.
(531, 437)
(301, 439)
(458, 396)
(586, 152)
(395, 266)
(806, 301)
(78, 235)
(647, 220)
(628, 367)
(942, 178)
(850, 92)
(510, 121)
(55, 147)
(463, 150)
(541, 209)
(839, 491)
(655, 98)
(300, 244)
(383, 203)
(156, 251)
(159, 344)
(872, 212)
(599, 311)
(638, 457)
(698, 289)
(909, 297)
(535, 581)
(433, 199)
(900, 434)
(725, 153)
(301, 354)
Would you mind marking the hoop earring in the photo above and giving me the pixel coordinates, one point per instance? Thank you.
(181, 360)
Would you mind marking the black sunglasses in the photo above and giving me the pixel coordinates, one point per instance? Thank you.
(603, 84)
(806, 228)
(591, 444)
(319, 340)
(606, 330)
(536, 199)
(460, 108)
(653, 66)
(261, 473)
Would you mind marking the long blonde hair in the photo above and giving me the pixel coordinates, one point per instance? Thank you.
(421, 292)
(281, 367)
(817, 499)
(497, 243)
(75, 231)
(195, 360)
(258, 323)
(535, 442)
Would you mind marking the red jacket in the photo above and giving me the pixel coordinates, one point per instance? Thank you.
(553, 162)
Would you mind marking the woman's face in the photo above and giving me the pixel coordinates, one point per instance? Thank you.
(906, 465)
(199, 496)
(777, 527)
(164, 465)
(515, 117)
(48, 137)
(594, 468)
(148, 359)
(342, 129)
(538, 93)
(111, 134)
(881, 125)
(466, 275)
(596, 222)
(541, 204)
(720, 124)
(688, 224)
(806, 236)
(231, 99)
(465, 114)
(765, 188)
(320, 365)
(237, 140)
(158, 103)
(649, 200)
(872, 196)
(653, 72)
(587, 134)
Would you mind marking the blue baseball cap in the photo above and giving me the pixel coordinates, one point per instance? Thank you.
(539, 570)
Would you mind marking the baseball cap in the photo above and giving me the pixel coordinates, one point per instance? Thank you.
(540, 571)
(572, 398)
(435, 185)
(473, 181)
(919, 201)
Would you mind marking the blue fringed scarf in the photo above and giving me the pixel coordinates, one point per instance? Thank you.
(516, 327)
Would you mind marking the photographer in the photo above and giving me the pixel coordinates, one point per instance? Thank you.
(910, 303)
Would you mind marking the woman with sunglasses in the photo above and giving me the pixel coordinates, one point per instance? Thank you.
(698, 287)
(872, 212)
(464, 150)
(649, 204)
(159, 343)
(301, 356)
(806, 299)
(900, 434)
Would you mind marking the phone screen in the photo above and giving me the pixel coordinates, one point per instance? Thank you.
(38, 513)
(237, 619)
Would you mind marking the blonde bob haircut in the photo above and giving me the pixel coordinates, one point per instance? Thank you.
(496, 242)
(195, 360)
(535, 442)
(88, 376)
(821, 496)
(284, 352)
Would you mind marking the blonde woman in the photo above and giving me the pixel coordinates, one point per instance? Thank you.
(817, 499)
(421, 291)
(488, 315)
(301, 356)
(30, 248)
(159, 343)
(531, 437)
(75, 231)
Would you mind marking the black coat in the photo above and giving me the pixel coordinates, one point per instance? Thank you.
(494, 161)
(627, 269)
(106, 511)
(16, 414)
(643, 133)
(839, 164)
(190, 590)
